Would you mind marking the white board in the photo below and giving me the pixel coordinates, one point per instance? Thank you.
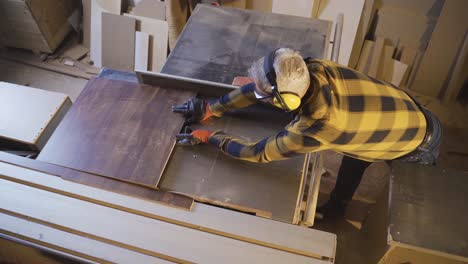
(159, 33)
(25, 112)
(97, 8)
(351, 9)
(141, 51)
(301, 8)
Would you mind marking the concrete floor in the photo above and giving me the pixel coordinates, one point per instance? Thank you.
(354, 245)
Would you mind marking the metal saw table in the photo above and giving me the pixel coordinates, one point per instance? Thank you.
(216, 45)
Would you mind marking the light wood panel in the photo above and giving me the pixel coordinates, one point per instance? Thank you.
(376, 57)
(441, 53)
(302, 8)
(141, 51)
(138, 233)
(202, 217)
(118, 50)
(76, 245)
(329, 10)
(158, 31)
(118, 129)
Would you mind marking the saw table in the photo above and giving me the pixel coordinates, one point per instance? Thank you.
(218, 44)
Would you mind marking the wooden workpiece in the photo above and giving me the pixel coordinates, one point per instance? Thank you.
(249, 235)
(28, 116)
(104, 183)
(118, 129)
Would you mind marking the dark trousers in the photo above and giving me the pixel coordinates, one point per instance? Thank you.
(349, 177)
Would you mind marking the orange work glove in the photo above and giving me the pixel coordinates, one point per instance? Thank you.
(241, 81)
(207, 113)
(202, 135)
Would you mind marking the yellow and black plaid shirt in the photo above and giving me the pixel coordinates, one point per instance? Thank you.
(343, 110)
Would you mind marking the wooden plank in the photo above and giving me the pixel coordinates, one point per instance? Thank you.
(109, 184)
(385, 71)
(364, 60)
(34, 109)
(97, 8)
(446, 39)
(459, 74)
(398, 72)
(158, 31)
(141, 51)
(76, 245)
(408, 57)
(377, 56)
(86, 23)
(135, 232)
(118, 50)
(151, 9)
(302, 8)
(206, 218)
(329, 10)
(264, 5)
(129, 131)
(364, 25)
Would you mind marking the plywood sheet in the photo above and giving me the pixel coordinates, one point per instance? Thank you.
(118, 129)
(150, 8)
(158, 31)
(96, 181)
(351, 10)
(25, 112)
(302, 8)
(118, 50)
(364, 59)
(86, 23)
(141, 51)
(364, 25)
(138, 233)
(441, 53)
(376, 57)
(211, 219)
(398, 72)
(97, 8)
(385, 71)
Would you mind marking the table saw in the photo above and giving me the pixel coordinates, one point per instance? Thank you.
(204, 64)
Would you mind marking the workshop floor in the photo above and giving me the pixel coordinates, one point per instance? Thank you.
(354, 245)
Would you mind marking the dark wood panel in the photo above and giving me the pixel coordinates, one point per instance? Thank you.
(220, 43)
(118, 129)
(114, 185)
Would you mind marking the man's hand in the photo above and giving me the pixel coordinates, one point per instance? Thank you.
(194, 138)
(194, 109)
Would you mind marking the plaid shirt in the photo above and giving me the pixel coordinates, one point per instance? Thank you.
(343, 110)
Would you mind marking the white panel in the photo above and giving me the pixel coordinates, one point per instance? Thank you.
(25, 111)
(301, 8)
(141, 51)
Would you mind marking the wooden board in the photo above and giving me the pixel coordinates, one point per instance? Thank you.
(75, 245)
(385, 71)
(150, 8)
(398, 72)
(441, 53)
(366, 53)
(459, 74)
(118, 129)
(104, 183)
(118, 50)
(329, 10)
(302, 8)
(97, 8)
(141, 51)
(86, 23)
(377, 56)
(158, 31)
(30, 115)
(135, 232)
(364, 25)
(408, 57)
(202, 217)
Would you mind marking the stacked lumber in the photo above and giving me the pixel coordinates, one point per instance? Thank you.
(137, 40)
(104, 226)
(418, 45)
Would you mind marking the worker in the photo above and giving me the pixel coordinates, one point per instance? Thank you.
(335, 108)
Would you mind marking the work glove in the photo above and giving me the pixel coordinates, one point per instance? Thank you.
(194, 138)
(241, 81)
(194, 109)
